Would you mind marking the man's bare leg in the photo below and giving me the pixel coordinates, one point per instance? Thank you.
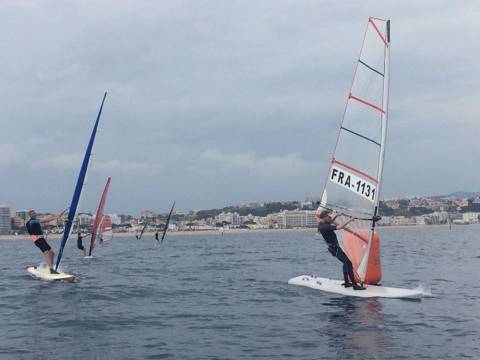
(48, 255)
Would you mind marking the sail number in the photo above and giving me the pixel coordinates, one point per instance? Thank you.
(352, 182)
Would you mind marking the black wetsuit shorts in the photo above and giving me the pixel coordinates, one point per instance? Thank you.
(42, 245)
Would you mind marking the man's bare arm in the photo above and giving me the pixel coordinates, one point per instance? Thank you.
(47, 219)
(342, 226)
(337, 215)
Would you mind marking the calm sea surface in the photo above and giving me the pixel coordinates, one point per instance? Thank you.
(226, 297)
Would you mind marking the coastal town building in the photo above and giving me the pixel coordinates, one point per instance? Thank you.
(22, 214)
(85, 219)
(116, 220)
(420, 220)
(470, 217)
(147, 214)
(17, 222)
(460, 202)
(298, 218)
(275, 221)
(5, 222)
(230, 218)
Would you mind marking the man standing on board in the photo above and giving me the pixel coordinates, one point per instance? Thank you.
(80, 243)
(34, 228)
(327, 227)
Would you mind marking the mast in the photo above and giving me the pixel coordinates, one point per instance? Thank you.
(384, 120)
(78, 187)
(385, 106)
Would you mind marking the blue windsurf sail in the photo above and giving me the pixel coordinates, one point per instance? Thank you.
(78, 187)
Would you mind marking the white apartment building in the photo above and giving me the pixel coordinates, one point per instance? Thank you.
(470, 217)
(85, 219)
(116, 220)
(5, 222)
(232, 218)
(298, 218)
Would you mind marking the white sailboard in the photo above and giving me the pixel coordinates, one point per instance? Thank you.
(335, 286)
(43, 272)
(354, 179)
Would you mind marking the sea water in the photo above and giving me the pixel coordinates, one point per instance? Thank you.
(227, 297)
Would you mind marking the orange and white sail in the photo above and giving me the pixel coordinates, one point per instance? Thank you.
(355, 175)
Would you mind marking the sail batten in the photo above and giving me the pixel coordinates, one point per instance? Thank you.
(362, 136)
(354, 179)
(365, 102)
(378, 31)
(371, 68)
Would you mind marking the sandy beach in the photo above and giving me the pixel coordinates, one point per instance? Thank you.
(174, 233)
(230, 231)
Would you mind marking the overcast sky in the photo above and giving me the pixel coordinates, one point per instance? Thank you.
(212, 103)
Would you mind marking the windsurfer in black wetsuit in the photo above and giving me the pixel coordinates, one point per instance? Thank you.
(80, 244)
(327, 227)
(34, 228)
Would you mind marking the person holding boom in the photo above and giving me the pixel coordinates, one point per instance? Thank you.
(327, 227)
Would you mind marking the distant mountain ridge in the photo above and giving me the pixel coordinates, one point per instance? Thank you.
(463, 195)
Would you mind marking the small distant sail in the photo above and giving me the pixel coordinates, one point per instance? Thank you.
(139, 236)
(81, 181)
(166, 224)
(98, 217)
(354, 179)
(105, 232)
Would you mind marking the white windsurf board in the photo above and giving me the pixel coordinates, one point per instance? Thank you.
(43, 273)
(335, 286)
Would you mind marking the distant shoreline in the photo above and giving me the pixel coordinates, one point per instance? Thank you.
(173, 233)
(53, 237)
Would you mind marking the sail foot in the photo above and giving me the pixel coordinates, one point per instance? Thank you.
(355, 247)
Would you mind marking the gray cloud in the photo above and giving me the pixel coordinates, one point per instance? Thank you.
(212, 103)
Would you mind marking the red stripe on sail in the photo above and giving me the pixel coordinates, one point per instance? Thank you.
(367, 103)
(378, 31)
(375, 18)
(105, 227)
(359, 172)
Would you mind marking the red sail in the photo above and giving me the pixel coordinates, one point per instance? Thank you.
(98, 216)
(105, 232)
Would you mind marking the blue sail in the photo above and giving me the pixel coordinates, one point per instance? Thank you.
(78, 187)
